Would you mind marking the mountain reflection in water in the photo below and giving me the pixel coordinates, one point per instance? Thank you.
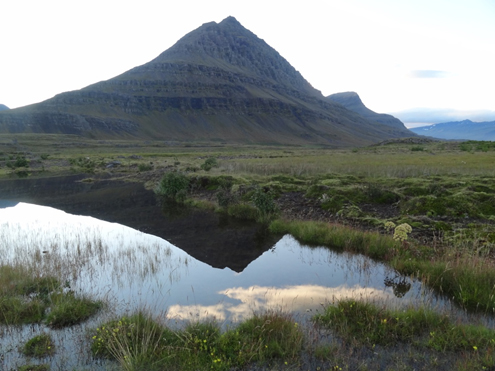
(136, 270)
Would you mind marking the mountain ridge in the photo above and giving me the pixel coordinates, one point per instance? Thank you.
(461, 130)
(219, 82)
(353, 102)
(3, 107)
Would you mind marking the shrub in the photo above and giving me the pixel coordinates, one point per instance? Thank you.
(145, 167)
(417, 148)
(242, 211)
(264, 202)
(334, 203)
(351, 212)
(20, 161)
(226, 198)
(173, 186)
(84, 164)
(209, 164)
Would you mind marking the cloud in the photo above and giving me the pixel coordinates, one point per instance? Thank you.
(239, 303)
(427, 74)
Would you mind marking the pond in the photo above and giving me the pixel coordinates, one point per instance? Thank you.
(190, 266)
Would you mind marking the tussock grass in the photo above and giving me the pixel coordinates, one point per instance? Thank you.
(469, 282)
(39, 346)
(365, 323)
(68, 309)
(140, 342)
(339, 237)
(26, 296)
(42, 367)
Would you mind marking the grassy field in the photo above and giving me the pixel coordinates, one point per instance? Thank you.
(427, 209)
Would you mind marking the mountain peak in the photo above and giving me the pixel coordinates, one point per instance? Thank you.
(231, 20)
(348, 98)
(353, 102)
(230, 46)
(3, 107)
(220, 82)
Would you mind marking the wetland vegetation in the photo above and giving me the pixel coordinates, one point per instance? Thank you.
(350, 200)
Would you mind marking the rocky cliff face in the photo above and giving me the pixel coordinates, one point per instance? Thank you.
(352, 101)
(219, 82)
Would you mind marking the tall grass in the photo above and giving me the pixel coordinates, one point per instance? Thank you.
(140, 342)
(368, 163)
(365, 323)
(340, 237)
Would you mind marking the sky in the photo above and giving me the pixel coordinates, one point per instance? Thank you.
(397, 55)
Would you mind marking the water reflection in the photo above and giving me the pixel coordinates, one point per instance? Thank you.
(135, 269)
(210, 237)
(132, 270)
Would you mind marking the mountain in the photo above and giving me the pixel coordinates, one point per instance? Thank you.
(437, 115)
(466, 129)
(3, 107)
(220, 82)
(352, 101)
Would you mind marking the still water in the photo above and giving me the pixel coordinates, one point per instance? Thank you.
(136, 270)
(132, 270)
(215, 268)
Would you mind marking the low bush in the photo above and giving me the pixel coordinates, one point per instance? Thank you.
(264, 201)
(173, 185)
(20, 161)
(209, 164)
(242, 211)
(145, 167)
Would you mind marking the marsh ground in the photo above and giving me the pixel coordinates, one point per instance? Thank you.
(444, 190)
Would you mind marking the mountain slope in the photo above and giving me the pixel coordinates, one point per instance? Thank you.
(3, 107)
(465, 129)
(352, 101)
(220, 82)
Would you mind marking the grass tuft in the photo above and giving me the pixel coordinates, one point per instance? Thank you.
(39, 346)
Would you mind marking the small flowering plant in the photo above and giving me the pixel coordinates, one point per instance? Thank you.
(402, 231)
(389, 226)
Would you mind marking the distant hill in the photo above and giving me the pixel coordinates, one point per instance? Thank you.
(466, 129)
(219, 82)
(3, 107)
(436, 115)
(352, 101)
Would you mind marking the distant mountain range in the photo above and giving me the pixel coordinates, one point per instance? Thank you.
(352, 101)
(466, 129)
(218, 83)
(441, 115)
(3, 107)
